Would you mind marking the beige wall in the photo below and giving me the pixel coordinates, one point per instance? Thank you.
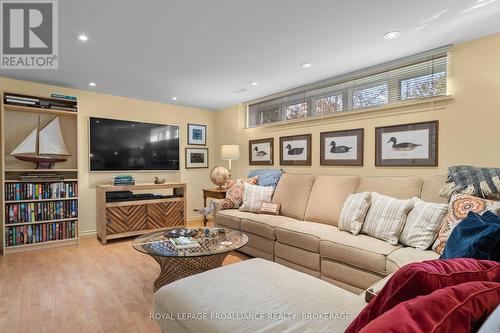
(468, 123)
(108, 106)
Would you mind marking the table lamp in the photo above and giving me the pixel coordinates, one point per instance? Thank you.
(230, 153)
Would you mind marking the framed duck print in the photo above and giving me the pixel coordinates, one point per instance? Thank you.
(342, 147)
(197, 135)
(407, 145)
(261, 152)
(295, 150)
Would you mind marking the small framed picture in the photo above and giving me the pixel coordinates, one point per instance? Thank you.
(261, 152)
(295, 150)
(197, 135)
(407, 145)
(342, 147)
(196, 158)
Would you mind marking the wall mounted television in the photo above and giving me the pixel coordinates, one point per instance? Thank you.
(117, 145)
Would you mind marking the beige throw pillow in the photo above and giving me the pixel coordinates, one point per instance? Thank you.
(254, 195)
(386, 217)
(354, 211)
(422, 224)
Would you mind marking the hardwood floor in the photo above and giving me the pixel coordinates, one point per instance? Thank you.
(89, 288)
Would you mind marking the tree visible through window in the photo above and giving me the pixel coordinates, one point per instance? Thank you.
(296, 111)
(269, 116)
(423, 86)
(328, 104)
(368, 97)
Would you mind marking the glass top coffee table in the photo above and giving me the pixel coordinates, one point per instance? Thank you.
(176, 264)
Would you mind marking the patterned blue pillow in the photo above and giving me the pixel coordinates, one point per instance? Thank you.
(267, 177)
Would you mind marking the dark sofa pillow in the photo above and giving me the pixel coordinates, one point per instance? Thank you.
(475, 237)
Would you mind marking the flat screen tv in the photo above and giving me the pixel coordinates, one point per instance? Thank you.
(128, 145)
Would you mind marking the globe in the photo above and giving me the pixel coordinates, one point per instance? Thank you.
(219, 176)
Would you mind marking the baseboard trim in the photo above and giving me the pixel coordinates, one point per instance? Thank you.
(88, 233)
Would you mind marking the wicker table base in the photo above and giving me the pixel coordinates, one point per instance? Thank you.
(176, 268)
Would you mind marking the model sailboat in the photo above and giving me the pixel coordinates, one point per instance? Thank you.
(44, 147)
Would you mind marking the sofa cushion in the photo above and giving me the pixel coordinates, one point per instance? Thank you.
(354, 212)
(230, 218)
(407, 255)
(386, 217)
(397, 187)
(302, 234)
(431, 185)
(255, 286)
(361, 250)
(327, 197)
(263, 225)
(292, 193)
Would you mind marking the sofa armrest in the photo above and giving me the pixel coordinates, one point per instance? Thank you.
(374, 289)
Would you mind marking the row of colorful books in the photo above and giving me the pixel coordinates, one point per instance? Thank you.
(35, 191)
(38, 233)
(40, 211)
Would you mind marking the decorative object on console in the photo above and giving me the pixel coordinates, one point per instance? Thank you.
(423, 278)
(219, 176)
(466, 179)
(342, 147)
(295, 150)
(196, 158)
(475, 237)
(159, 181)
(269, 208)
(422, 224)
(234, 194)
(44, 146)
(460, 206)
(267, 177)
(354, 212)
(230, 153)
(261, 152)
(253, 196)
(386, 217)
(197, 135)
(407, 145)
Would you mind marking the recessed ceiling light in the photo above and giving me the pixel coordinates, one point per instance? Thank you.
(92, 84)
(253, 83)
(174, 98)
(306, 65)
(83, 37)
(391, 35)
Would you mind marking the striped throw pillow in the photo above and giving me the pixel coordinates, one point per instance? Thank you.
(386, 217)
(422, 224)
(354, 211)
(254, 195)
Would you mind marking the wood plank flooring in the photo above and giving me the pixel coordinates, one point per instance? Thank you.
(89, 288)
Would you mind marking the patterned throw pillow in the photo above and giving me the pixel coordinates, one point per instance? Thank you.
(234, 194)
(354, 211)
(386, 217)
(422, 224)
(253, 196)
(460, 206)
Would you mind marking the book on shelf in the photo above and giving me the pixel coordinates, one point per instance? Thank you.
(39, 233)
(65, 97)
(40, 211)
(41, 176)
(183, 243)
(39, 191)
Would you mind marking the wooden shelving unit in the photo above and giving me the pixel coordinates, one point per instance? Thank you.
(16, 121)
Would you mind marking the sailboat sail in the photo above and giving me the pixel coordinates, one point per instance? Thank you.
(51, 140)
(28, 146)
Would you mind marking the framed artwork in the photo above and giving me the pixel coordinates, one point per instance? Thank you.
(196, 158)
(342, 147)
(407, 145)
(197, 135)
(295, 150)
(261, 152)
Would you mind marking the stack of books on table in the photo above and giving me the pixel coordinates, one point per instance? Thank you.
(183, 243)
(123, 180)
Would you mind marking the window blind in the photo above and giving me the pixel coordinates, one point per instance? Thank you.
(420, 76)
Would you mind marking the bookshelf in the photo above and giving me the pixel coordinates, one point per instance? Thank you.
(37, 213)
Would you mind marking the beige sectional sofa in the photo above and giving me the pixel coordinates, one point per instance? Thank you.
(305, 236)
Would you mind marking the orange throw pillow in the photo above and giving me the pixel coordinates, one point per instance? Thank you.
(234, 194)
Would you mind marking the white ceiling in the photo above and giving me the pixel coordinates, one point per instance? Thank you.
(202, 50)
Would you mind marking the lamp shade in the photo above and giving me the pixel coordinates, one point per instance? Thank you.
(230, 152)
